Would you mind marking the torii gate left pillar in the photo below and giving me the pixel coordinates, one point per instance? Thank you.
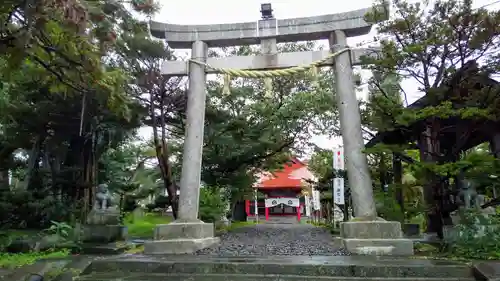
(189, 234)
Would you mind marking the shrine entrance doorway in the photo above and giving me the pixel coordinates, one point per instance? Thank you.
(285, 206)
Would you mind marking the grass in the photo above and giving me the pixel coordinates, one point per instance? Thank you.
(135, 250)
(434, 252)
(144, 227)
(333, 230)
(7, 236)
(425, 250)
(12, 261)
(316, 223)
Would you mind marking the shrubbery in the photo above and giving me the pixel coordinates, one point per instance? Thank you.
(476, 237)
(144, 226)
(212, 205)
(24, 209)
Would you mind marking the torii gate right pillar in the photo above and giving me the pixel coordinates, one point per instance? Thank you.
(360, 182)
(366, 234)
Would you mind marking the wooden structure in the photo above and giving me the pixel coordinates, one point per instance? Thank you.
(283, 192)
(442, 140)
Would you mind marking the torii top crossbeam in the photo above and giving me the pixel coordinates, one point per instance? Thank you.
(284, 30)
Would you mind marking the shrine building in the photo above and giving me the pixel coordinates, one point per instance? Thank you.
(282, 193)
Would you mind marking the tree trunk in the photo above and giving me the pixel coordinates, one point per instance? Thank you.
(429, 150)
(4, 180)
(168, 183)
(398, 180)
(121, 207)
(161, 149)
(5, 161)
(233, 208)
(32, 160)
(87, 181)
(383, 173)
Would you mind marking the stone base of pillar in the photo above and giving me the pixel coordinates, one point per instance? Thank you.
(181, 238)
(378, 237)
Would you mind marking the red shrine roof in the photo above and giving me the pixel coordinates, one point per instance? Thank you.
(291, 176)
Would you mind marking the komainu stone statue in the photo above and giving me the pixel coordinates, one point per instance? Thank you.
(467, 196)
(103, 223)
(103, 212)
(102, 197)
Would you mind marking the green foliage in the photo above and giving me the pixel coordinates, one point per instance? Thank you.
(477, 162)
(81, 86)
(428, 43)
(60, 229)
(64, 101)
(144, 226)
(212, 205)
(5, 240)
(126, 169)
(17, 260)
(444, 110)
(438, 30)
(334, 230)
(161, 202)
(477, 237)
(24, 209)
(321, 163)
(387, 206)
(384, 102)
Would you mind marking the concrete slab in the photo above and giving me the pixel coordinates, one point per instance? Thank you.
(380, 247)
(73, 269)
(103, 233)
(371, 229)
(178, 246)
(354, 266)
(174, 230)
(487, 271)
(40, 268)
(253, 277)
(113, 248)
(181, 238)
(377, 237)
(4, 272)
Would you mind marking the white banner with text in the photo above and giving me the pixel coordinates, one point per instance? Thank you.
(292, 202)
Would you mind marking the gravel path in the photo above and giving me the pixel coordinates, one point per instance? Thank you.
(276, 240)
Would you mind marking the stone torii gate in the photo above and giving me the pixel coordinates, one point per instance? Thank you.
(188, 233)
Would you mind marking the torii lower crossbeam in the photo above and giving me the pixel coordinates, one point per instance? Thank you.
(264, 62)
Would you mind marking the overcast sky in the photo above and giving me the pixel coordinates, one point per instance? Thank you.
(229, 11)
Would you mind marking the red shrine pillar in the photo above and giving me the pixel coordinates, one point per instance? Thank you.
(298, 213)
(247, 207)
(267, 213)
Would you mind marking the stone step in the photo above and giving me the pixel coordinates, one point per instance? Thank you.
(379, 247)
(281, 219)
(333, 266)
(250, 277)
(105, 249)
